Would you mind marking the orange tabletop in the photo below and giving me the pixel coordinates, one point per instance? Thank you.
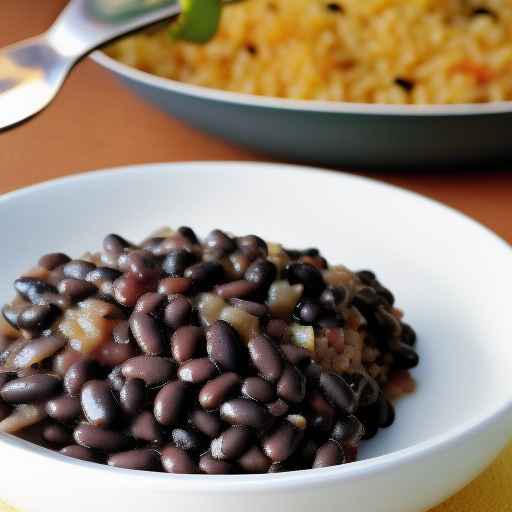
(95, 123)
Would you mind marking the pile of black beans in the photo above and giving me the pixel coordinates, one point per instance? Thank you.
(112, 359)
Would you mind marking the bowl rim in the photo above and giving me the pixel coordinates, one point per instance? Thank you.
(223, 484)
(310, 106)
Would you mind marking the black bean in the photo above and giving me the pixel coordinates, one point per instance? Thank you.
(76, 289)
(405, 357)
(152, 370)
(385, 294)
(386, 412)
(278, 408)
(296, 355)
(235, 289)
(185, 342)
(366, 276)
(99, 438)
(330, 320)
(177, 313)
(291, 385)
(206, 422)
(38, 350)
(266, 358)
(333, 296)
(116, 378)
(177, 261)
(187, 440)
(307, 275)
(103, 278)
(281, 442)
(133, 396)
(232, 443)
(388, 324)
(323, 414)
(146, 428)
(176, 460)
(369, 417)
(262, 273)
(216, 391)
(53, 260)
(408, 335)
(146, 333)
(98, 403)
(197, 371)
(145, 460)
(338, 392)
(253, 308)
(78, 374)
(365, 388)
(329, 454)
(37, 318)
(406, 84)
(252, 246)
(220, 243)
(188, 234)
(258, 389)
(33, 290)
(33, 388)
(56, 434)
(115, 244)
(307, 312)
(205, 274)
(128, 288)
(152, 303)
(78, 269)
(11, 314)
(174, 285)
(5, 410)
(277, 329)
(348, 430)
(79, 452)
(64, 408)
(254, 461)
(212, 466)
(140, 263)
(224, 346)
(241, 411)
(121, 333)
(170, 403)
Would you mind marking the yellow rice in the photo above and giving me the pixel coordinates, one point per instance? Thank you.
(371, 51)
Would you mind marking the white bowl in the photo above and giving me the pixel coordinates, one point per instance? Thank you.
(452, 277)
(336, 133)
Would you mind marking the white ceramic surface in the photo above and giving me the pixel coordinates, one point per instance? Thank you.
(336, 133)
(452, 277)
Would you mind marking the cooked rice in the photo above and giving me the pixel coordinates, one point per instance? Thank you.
(374, 51)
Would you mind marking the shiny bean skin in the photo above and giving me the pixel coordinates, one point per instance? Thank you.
(114, 354)
(128, 289)
(103, 278)
(252, 246)
(307, 275)
(178, 461)
(258, 389)
(232, 443)
(235, 289)
(253, 308)
(76, 289)
(99, 438)
(212, 466)
(152, 370)
(241, 411)
(278, 408)
(219, 242)
(140, 263)
(133, 396)
(291, 385)
(78, 269)
(145, 460)
(151, 303)
(254, 461)
(64, 360)
(296, 355)
(64, 408)
(33, 290)
(206, 422)
(348, 430)
(79, 452)
(121, 333)
(38, 318)
(338, 392)
(262, 273)
(78, 374)
(33, 388)
(116, 378)
(38, 350)
(173, 285)
(170, 402)
(329, 454)
(197, 371)
(145, 428)
(98, 403)
(178, 312)
(185, 342)
(265, 356)
(187, 440)
(56, 434)
(224, 346)
(214, 392)
(177, 261)
(53, 260)
(281, 442)
(147, 334)
(115, 244)
(205, 274)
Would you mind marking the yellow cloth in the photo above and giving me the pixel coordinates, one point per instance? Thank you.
(490, 492)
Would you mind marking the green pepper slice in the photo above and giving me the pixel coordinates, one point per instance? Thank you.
(198, 21)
